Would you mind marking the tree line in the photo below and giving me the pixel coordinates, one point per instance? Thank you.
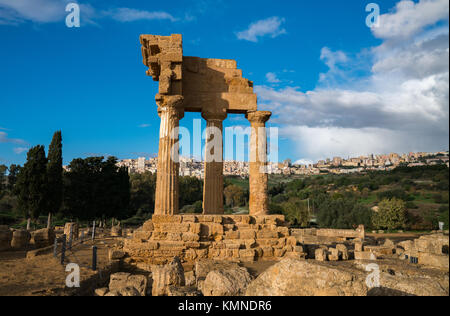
(91, 188)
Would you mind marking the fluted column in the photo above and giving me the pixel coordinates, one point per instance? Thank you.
(166, 197)
(213, 177)
(259, 201)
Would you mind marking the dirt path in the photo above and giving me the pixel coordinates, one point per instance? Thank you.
(44, 275)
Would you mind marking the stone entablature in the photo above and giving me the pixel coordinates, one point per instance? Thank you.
(241, 238)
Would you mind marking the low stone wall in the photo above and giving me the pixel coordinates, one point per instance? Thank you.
(192, 237)
(315, 236)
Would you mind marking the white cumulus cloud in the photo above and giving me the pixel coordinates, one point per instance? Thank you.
(272, 78)
(401, 106)
(268, 27)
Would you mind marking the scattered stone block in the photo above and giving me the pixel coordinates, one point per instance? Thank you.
(229, 282)
(20, 239)
(365, 255)
(101, 292)
(43, 237)
(168, 275)
(321, 254)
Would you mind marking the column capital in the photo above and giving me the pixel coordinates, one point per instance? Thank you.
(171, 103)
(175, 101)
(214, 115)
(258, 117)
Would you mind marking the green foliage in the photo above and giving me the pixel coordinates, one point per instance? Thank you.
(12, 176)
(296, 212)
(443, 215)
(3, 170)
(95, 188)
(391, 214)
(31, 187)
(55, 173)
(343, 213)
(234, 196)
(395, 193)
(411, 205)
(191, 190)
(196, 208)
(143, 187)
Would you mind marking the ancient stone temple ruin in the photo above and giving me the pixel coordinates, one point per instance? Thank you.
(213, 87)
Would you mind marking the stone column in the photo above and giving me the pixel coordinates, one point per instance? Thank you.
(259, 202)
(213, 177)
(166, 197)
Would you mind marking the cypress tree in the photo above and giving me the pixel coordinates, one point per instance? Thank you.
(55, 176)
(31, 186)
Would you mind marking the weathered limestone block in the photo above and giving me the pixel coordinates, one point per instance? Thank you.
(229, 282)
(268, 252)
(6, 236)
(122, 280)
(321, 254)
(148, 226)
(173, 227)
(279, 253)
(434, 260)
(234, 234)
(233, 244)
(411, 285)
(190, 279)
(379, 251)
(247, 234)
(43, 237)
(291, 241)
(21, 239)
(142, 235)
(126, 291)
(172, 219)
(190, 237)
(334, 254)
(292, 277)
(432, 244)
(189, 219)
(211, 230)
(101, 292)
(195, 228)
(267, 242)
(407, 245)
(267, 234)
(203, 267)
(359, 246)
(115, 254)
(365, 255)
(71, 227)
(166, 276)
(250, 243)
(116, 231)
(343, 250)
(183, 291)
(247, 255)
(283, 231)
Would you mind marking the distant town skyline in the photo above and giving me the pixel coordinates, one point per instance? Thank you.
(337, 165)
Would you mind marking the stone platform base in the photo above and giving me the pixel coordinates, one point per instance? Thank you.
(241, 238)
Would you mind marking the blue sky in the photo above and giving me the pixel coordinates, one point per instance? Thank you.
(336, 86)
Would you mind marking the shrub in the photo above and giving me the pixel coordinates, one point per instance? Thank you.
(391, 214)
